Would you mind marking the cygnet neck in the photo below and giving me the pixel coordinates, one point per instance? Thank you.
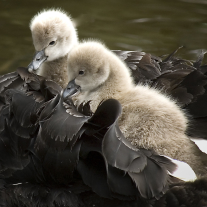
(119, 80)
(116, 86)
(56, 70)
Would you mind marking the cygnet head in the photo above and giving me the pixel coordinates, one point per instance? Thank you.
(91, 65)
(53, 34)
(86, 66)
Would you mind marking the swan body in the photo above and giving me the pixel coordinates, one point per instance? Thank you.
(149, 119)
(39, 167)
(35, 169)
(53, 35)
(173, 75)
(47, 145)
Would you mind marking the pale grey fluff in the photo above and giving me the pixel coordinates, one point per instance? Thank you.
(149, 119)
(54, 25)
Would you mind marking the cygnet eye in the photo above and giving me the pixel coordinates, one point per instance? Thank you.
(52, 43)
(81, 72)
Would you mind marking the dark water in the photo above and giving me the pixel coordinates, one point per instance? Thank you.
(155, 26)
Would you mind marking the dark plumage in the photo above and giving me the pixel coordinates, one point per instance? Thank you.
(189, 194)
(37, 154)
(185, 81)
(54, 155)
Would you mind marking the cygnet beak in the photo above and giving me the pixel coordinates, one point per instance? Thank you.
(71, 90)
(38, 59)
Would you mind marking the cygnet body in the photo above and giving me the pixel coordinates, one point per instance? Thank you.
(54, 35)
(149, 119)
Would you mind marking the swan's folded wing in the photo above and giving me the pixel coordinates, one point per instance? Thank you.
(115, 146)
(47, 160)
(195, 84)
(174, 63)
(35, 83)
(22, 106)
(31, 147)
(138, 171)
(92, 170)
(13, 155)
(144, 167)
(198, 107)
(197, 128)
(58, 164)
(144, 67)
(16, 130)
(49, 89)
(60, 124)
(29, 194)
(10, 80)
(149, 174)
(31, 80)
(169, 82)
(185, 194)
(57, 144)
(92, 165)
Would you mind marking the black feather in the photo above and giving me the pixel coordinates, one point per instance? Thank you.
(50, 147)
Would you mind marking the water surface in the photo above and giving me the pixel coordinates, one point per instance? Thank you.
(155, 26)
